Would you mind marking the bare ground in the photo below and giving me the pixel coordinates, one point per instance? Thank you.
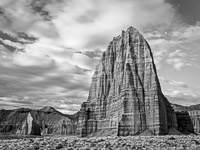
(190, 142)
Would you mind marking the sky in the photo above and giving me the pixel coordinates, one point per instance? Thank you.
(49, 48)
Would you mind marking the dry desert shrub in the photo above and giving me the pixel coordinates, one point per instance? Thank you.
(104, 143)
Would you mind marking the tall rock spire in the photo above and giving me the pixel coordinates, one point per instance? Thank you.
(125, 96)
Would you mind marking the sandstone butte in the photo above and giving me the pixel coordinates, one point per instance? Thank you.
(125, 96)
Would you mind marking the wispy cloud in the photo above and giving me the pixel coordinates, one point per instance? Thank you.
(173, 82)
(176, 62)
(176, 47)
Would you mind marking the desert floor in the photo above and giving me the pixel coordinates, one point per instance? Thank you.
(190, 142)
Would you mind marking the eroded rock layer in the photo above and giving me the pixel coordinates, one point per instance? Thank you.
(30, 127)
(192, 123)
(125, 95)
(43, 121)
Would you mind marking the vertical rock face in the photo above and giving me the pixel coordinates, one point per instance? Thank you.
(184, 122)
(125, 94)
(193, 115)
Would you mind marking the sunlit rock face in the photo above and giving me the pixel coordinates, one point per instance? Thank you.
(125, 96)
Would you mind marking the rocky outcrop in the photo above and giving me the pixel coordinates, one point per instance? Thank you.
(35, 122)
(184, 122)
(125, 94)
(193, 115)
(30, 127)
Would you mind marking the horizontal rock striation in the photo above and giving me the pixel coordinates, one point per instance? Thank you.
(125, 96)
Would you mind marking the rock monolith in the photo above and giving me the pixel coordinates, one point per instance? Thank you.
(125, 96)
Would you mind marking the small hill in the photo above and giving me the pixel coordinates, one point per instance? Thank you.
(49, 109)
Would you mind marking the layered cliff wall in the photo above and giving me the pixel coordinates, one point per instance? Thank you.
(36, 122)
(192, 113)
(125, 94)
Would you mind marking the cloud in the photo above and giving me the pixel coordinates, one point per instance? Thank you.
(16, 43)
(83, 61)
(181, 93)
(107, 19)
(97, 22)
(176, 62)
(189, 32)
(47, 76)
(173, 82)
(21, 38)
(26, 59)
(12, 44)
(68, 109)
(177, 53)
(96, 54)
(179, 45)
(64, 39)
(161, 47)
(45, 79)
(5, 54)
(186, 101)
